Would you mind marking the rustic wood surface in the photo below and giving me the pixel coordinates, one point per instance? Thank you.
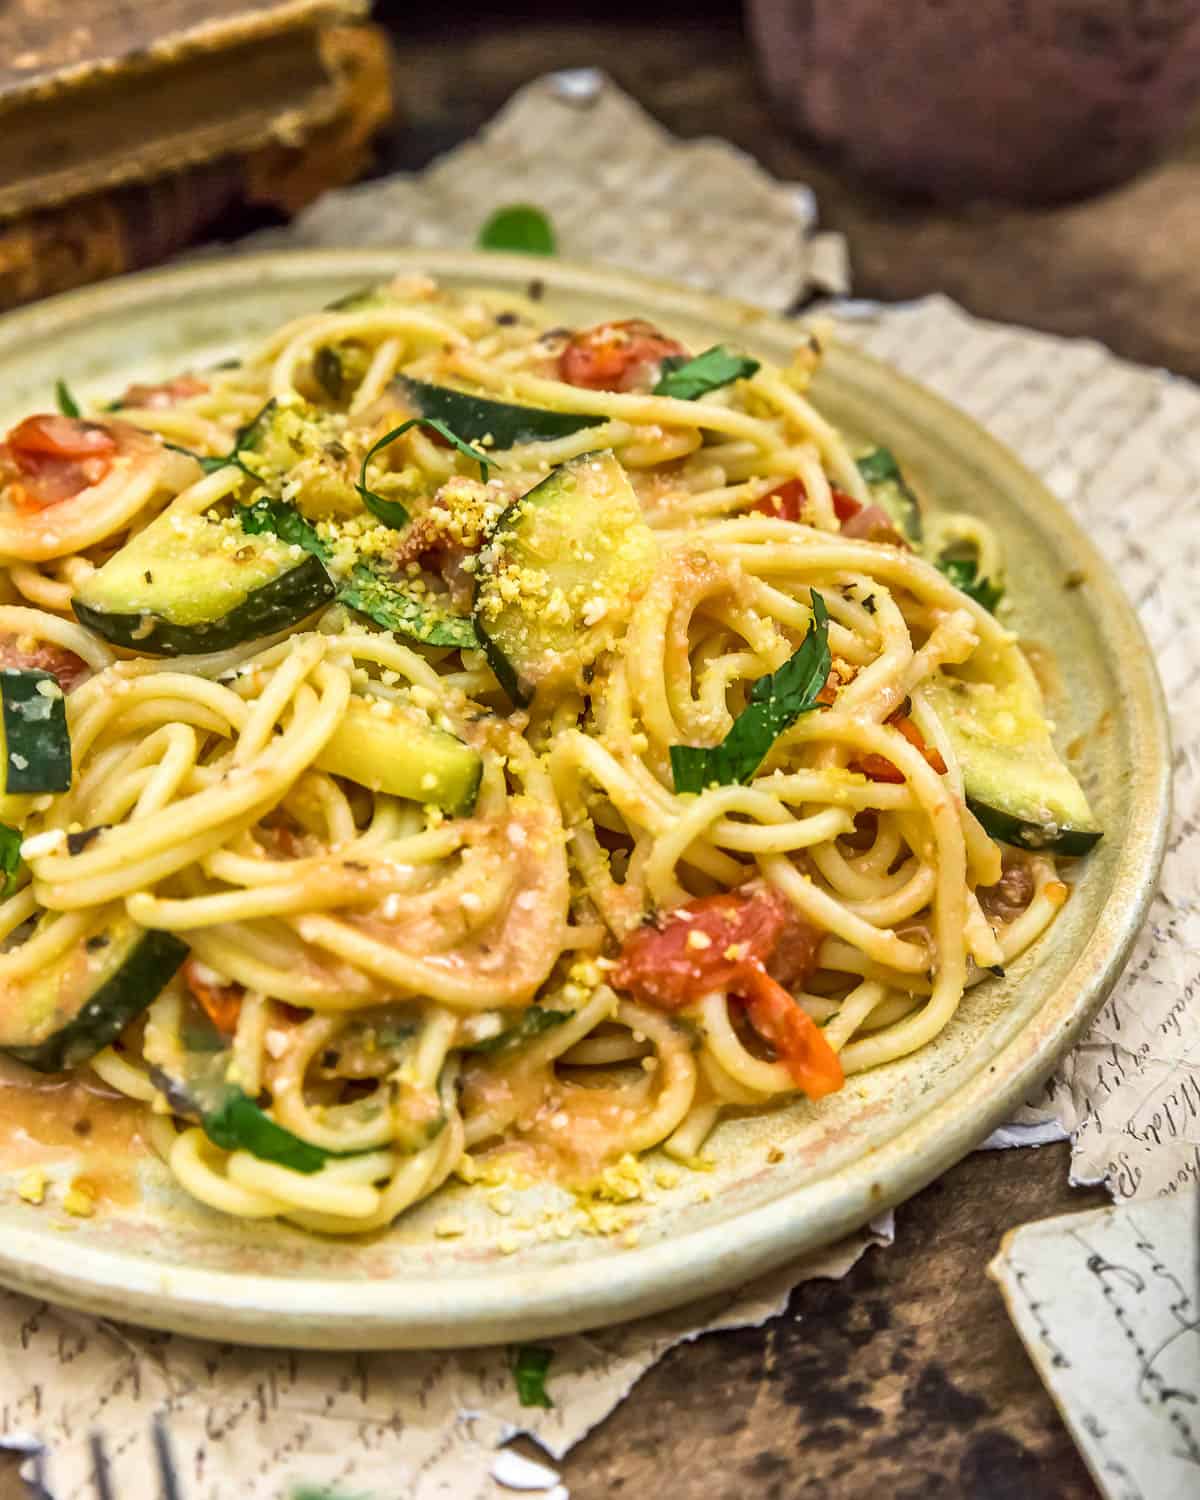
(905, 1379)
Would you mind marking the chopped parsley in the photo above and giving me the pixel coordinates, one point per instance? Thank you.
(776, 702)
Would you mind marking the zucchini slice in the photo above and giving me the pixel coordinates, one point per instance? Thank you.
(35, 744)
(891, 491)
(84, 1000)
(501, 424)
(381, 746)
(191, 584)
(1015, 783)
(560, 573)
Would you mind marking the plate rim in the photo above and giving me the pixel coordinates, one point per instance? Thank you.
(494, 1306)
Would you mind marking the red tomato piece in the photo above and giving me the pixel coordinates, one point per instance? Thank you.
(166, 393)
(221, 1003)
(702, 946)
(617, 356)
(64, 666)
(798, 1041)
(786, 503)
(48, 458)
(879, 768)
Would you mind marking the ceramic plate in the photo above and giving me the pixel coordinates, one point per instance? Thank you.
(167, 1262)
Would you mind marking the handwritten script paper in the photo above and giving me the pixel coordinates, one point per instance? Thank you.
(1106, 1303)
(417, 1426)
(1098, 430)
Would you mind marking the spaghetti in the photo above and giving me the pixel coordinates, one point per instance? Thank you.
(494, 742)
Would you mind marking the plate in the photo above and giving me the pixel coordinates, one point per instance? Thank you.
(454, 1271)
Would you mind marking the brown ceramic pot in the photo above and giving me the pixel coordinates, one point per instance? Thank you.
(1026, 99)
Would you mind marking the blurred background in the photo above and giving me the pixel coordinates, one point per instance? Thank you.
(972, 147)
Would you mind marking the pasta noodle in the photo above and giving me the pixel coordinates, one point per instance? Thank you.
(602, 837)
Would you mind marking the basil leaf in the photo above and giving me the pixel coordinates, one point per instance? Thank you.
(519, 226)
(245, 436)
(10, 857)
(285, 522)
(391, 512)
(532, 1023)
(776, 702)
(963, 574)
(239, 1125)
(531, 1362)
(67, 403)
(685, 379)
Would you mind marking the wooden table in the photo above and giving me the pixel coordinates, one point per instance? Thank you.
(904, 1380)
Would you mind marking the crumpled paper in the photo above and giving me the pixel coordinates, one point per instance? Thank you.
(1120, 445)
(617, 187)
(397, 1426)
(1105, 1304)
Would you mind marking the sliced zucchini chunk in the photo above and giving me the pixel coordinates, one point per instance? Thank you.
(1014, 781)
(502, 424)
(387, 748)
(191, 584)
(560, 574)
(78, 1004)
(34, 740)
(891, 491)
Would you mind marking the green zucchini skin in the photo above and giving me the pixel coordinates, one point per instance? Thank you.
(281, 603)
(151, 960)
(1024, 834)
(891, 491)
(474, 418)
(36, 743)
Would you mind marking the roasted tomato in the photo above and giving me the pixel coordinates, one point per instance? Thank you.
(701, 946)
(879, 768)
(47, 459)
(727, 942)
(221, 1003)
(64, 666)
(166, 393)
(617, 356)
(862, 522)
(798, 1041)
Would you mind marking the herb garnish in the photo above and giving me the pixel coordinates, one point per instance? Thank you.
(686, 379)
(531, 1362)
(963, 574)
(239, 1125)
(391, 512)
(10, 857)
(535, 1020)
(245, 436)
(880, 467)
(67, 403)
(518, 226)
(364, 590)
(776, 702)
